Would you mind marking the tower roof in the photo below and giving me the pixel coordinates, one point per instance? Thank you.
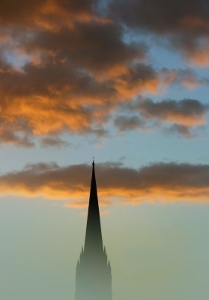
(93, 239)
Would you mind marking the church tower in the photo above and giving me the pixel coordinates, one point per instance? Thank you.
(93, 271)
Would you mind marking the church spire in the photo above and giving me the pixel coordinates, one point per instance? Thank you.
(93, 271)
(93, 239)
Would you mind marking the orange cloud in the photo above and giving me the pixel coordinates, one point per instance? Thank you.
(194, 22)
(55, 97)
(158, 182)
(83, 204)
(201, 56)
(65, 66)
(42, 12)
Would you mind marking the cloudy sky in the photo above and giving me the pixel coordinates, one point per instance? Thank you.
(126, 82)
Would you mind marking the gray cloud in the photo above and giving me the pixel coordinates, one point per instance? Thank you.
(93, 45)
(181, 130)
(53, 141)
(173, 109)
(125, 123)
(23, 12)
(184, 23)
(138, 74)
(149, 15)
(186, 116)
(16, 139)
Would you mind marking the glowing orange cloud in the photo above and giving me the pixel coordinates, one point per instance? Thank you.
(83, 204)
(65, 67)
(52, 98)
(193, 22)
(159, 182)
(201, 57)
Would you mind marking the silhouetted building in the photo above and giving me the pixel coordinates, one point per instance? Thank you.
(93, 271)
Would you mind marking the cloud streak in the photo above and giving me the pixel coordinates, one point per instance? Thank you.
(166, 182)
(186, 112)
(182, 116)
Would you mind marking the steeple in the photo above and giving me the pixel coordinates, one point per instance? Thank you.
(93, 238)
(93, 271)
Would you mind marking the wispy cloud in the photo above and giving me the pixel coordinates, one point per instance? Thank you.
(53, 141)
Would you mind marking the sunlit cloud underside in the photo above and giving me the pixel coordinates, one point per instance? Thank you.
(158, 182)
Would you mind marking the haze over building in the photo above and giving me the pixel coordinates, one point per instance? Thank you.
(93, 271)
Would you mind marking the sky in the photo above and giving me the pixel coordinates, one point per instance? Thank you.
(125, 82)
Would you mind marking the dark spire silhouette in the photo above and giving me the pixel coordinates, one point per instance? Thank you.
(93, 271)
(93, 228)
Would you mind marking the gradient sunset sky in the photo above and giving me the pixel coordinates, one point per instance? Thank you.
(126, 82)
